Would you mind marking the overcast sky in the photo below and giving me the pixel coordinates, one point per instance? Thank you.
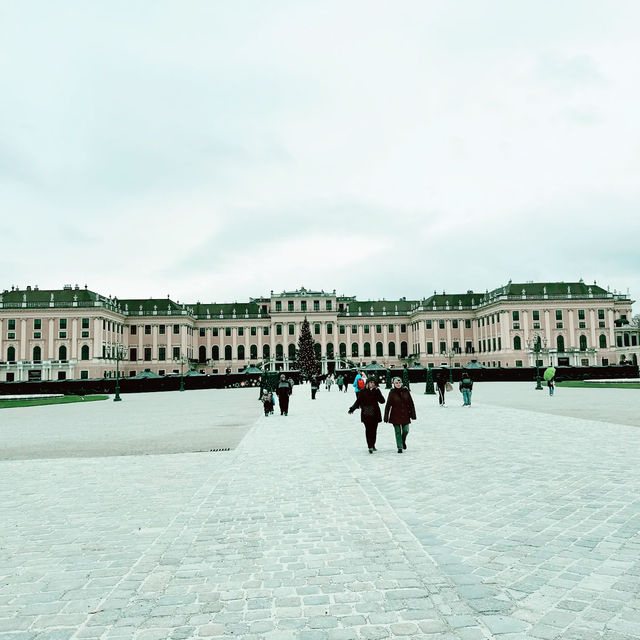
(216, 150)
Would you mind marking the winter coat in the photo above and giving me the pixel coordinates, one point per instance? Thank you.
(367, 401)
(399, 408)
(465, 383)
(284, 389)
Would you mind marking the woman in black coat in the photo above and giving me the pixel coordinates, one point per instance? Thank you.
(367, 400)
(442, 377)
(399, 411)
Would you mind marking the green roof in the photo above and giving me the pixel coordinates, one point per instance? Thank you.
(44, 296)
(226, 309)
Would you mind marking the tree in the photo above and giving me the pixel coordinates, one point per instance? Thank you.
(307, 360)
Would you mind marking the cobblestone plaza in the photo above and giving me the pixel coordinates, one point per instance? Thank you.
(516, 518)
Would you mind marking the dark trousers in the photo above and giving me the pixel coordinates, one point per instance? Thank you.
(371, 431)
(441, 394)
(283, 400)
(313, 393)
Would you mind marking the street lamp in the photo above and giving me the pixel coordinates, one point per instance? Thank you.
(537, 344)
(120, 348)
(450, 355)
(182, 361)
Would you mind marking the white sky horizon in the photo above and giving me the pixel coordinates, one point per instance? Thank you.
(217, 151)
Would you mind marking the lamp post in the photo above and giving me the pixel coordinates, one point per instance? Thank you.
(119, 354)
(182, 361)
(450, 354)
(537, 344)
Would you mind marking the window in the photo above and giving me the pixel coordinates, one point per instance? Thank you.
(228, 355)
(341, 329)
(84, 352)
(583, 343)
(559, 315)
(343, 350)
(468, 346)
(429, 324)
(316, 329)
(536, 316)
(85, 323)
(38, 334)
(214, 332)
(62, 334)
(240, 331)
(328, 305)
(63, 323)
(265, 331)
(84, 375)
(467, 324)
(162, 353)
(176, 353)
(560, 344)
(367, 350)
(11, 354)
(580, 314)
(378, 328)
(147, 353)
(429, 348)
(227, 331)
(443, 347)
(440, 324)
(600, 314)
(303, 305)
(253, 352)
(403, 350)
(85, 334)
(162, 329)
(278, 305)
(37, 354)
(456, 346)
(254, 331)
(454, 324)
(176, 329)
(316, 305)
(202, 332)
(403, 328)
(292, 329)
(517, 343)
(133, 329)
(12, 325)
(147, 329)
(392, 349)
(278, 329)
(354, 349)
(366, 328)
(391, 328)
(240, 352)
(330, 353)
(516, 316)
(379, 349)
(603, 341)
(518, 363)
(292, 351)
(354, 328)
(290, 305)
(329, 328)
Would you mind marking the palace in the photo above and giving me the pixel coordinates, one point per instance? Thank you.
(77, 333)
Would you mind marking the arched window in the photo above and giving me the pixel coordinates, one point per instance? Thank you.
(517, 343)
(318, 350)
(330, 350)
(215, 352)
(367, 350)
(292, 351)
(378, 349)
(354, 350)
(266, 351)
(11, 354)
(279, 351)
(37, 353)
(343, 350)
(240, 352)
(583, 343)
(603, 341)
(560, 344)
(62, 352)
(202, 354)
(403, 350)
(84, 352)
(253, 352)
(392, 349)
(626, 340)
(228, 353)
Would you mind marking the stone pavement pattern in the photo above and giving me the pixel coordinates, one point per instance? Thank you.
(495, 523)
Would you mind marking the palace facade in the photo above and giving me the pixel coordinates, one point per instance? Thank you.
(76, 333)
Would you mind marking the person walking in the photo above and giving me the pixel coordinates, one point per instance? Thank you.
(268, 401)
(399, 411)
(329, 382)
(359, 382)
(283, 391)
(551, 383)
(314, 386)
(367, 400)
(466, 386)
(340, 382)
(442, 379)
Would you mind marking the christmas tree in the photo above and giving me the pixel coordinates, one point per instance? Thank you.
(307, 361)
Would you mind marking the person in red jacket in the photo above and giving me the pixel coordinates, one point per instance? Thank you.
(399, 411)
(367, 400)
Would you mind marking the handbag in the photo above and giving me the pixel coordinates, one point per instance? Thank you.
(448, 386)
